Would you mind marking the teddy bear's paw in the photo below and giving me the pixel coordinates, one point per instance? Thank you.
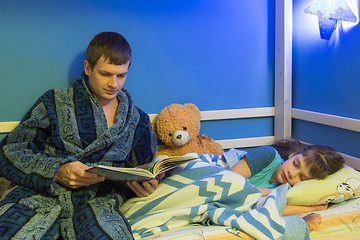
(192, 155)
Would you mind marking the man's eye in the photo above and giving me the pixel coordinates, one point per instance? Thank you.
(121, 75)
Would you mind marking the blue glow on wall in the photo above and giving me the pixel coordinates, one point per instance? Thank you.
(329, 12)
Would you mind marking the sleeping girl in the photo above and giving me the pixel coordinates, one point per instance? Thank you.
(265, 168)
(231, 190)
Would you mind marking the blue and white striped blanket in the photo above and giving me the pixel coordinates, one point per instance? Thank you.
(200, 192)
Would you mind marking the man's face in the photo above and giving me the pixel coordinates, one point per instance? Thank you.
(105, 79)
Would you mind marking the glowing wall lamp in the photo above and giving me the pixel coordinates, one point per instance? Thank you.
(329, 12)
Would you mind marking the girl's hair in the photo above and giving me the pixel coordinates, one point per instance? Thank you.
(110, 45)
(322, 160)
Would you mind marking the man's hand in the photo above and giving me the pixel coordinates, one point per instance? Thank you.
(146, 187)
(73, 175)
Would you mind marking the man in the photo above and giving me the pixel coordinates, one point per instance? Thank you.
(67, 131)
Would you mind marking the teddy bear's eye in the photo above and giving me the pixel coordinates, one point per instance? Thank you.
(184, 128)
(170, 134)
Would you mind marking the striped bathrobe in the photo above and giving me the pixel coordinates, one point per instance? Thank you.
(67, 125)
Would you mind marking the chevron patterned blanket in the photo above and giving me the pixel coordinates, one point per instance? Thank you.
(201, 192)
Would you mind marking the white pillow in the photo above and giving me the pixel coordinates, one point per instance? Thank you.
(336, 188)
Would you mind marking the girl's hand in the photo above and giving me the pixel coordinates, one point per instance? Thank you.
(313, 220)
(264, 191)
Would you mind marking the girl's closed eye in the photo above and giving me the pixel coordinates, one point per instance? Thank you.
(296, 162)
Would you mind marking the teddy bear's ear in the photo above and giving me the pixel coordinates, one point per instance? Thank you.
(153, 125)
(194, 109)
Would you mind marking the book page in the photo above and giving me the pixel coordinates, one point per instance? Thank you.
(140, 173)
(169, 163)
(121, 174)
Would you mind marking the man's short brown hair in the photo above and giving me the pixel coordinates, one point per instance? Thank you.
(110, 45)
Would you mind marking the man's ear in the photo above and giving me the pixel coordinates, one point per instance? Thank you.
(87, 68)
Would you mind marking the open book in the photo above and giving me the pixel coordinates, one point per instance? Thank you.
(143, 172)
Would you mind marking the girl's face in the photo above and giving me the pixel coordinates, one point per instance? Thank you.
(292, 171)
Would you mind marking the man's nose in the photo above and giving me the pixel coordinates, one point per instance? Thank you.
(113, 82)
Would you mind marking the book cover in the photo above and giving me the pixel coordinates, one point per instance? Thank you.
(140, 173)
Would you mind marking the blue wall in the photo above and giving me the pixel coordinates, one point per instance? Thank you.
(217, 54)
(326, 78)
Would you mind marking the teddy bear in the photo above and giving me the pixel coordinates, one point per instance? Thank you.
(178, 127)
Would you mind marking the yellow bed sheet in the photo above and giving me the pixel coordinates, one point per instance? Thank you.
(340, 221)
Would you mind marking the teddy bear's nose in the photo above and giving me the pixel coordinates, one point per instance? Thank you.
(180, 138)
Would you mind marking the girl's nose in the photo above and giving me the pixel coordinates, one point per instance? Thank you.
(294, 173)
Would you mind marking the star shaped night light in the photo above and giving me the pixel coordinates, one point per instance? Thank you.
(329, 12)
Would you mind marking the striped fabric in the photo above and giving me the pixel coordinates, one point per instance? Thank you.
(200, 192)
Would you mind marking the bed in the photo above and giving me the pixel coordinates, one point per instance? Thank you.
(340, 221)
(204, 194)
